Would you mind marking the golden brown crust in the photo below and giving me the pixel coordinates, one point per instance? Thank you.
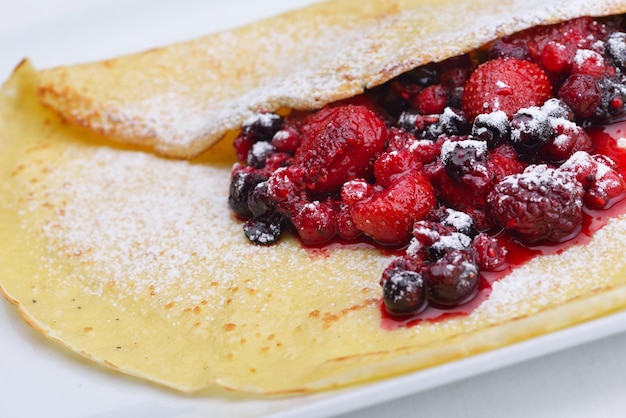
(181, 99)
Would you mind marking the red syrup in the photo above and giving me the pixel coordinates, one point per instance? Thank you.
(605, 140)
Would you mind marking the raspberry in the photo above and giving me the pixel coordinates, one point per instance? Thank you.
(340, 144)
(603, 185)
(541, 203)
(388, 215)
(566, 139)
(589, 62)
(490, 255)
(431, 100)
(315, 222)
(286, 140)
(506, 84)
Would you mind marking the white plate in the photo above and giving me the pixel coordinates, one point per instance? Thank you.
(38, 378)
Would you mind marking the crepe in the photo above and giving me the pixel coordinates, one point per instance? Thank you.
(181, 99)
(134, 260)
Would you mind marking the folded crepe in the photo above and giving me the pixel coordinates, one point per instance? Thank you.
(135, 261)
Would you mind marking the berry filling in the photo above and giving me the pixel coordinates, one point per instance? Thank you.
(461, 165)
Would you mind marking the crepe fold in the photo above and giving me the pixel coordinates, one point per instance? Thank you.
(181, 99)
(134, 260)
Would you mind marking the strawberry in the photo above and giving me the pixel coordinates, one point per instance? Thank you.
(506, 84)
(340, 144)
(388, 215)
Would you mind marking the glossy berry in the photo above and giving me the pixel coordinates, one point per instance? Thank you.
(603, 184)
(242, 185)
(509, 47)
(460, 158)
(462, 222)
(506, 84)
(340, 144)
(431, 100)
(452, 280)
(394, 163)
(262, 126)
(530, 129)
(315, 222)
(490, 255)
(260, 203)
(404, 292)
(388, 215)
(582, 94)
(259, 153)
(493, 128)
(539, 204)
(286, 140)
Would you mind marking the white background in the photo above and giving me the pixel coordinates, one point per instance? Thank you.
(39, 379)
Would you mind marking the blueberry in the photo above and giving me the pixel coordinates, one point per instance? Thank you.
(264, 231)
(260, 203)
(263, 126)
(452, 280)
(241, 187)
(403, 292)
(493, 128)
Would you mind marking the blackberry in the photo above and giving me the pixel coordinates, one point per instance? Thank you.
(541, 203)
(452, 280)
(611, 105)
(446, 243)
(404, 293)
(242, 184)
(616, 47)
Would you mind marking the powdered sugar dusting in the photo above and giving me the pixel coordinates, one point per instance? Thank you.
(184, 98)
(148, 226)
